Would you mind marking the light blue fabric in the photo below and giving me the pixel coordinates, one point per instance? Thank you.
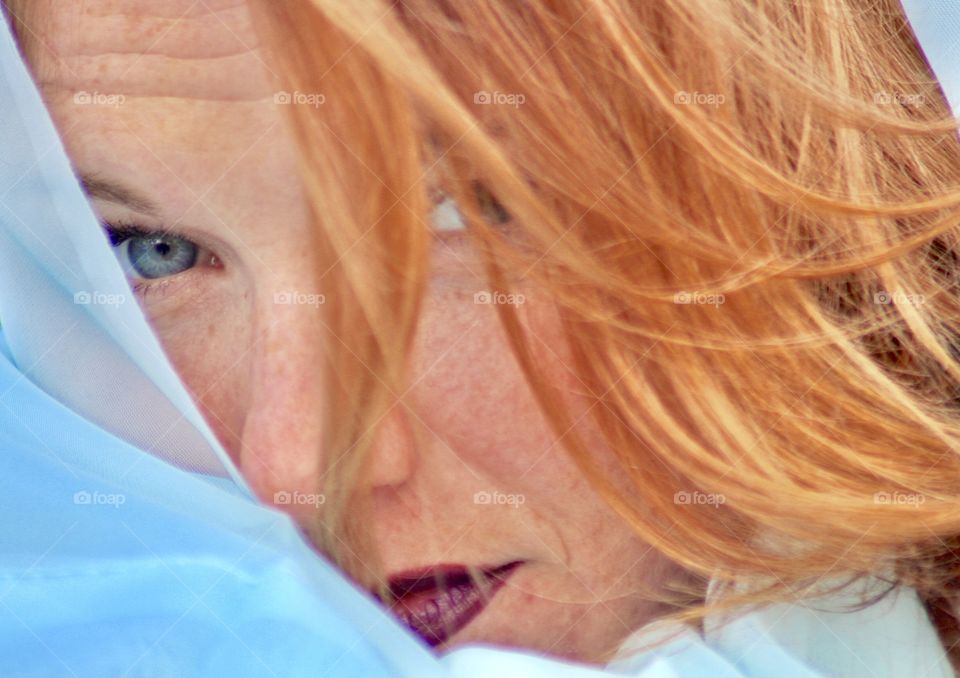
(154, 572)
(936, 23)
(130, 546)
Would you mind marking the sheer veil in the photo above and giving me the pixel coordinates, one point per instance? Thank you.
(69, 317)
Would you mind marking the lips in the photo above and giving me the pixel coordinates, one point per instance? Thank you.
(435, 603)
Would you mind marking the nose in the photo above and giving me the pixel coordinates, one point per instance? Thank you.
(393, 456)
(281, 449)
(281, 434)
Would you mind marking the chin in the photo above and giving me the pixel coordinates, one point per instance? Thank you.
(522, 621)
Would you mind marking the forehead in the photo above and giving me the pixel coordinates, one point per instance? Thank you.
(201, 48)
(174, 97)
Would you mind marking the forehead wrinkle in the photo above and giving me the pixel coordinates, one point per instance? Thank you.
(106, 22)
(213, 55)
(161, 8)
(214, 33)
(230, 79)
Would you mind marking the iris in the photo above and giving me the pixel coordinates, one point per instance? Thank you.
(153, 255)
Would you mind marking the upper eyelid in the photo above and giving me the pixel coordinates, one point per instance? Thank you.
(126, 232)
(133, 228)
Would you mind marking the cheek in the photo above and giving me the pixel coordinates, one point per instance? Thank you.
(211, 355)
(472, 393)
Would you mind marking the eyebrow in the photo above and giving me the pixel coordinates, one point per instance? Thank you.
(96, 187)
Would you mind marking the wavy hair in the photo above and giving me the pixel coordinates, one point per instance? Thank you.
(793, 165)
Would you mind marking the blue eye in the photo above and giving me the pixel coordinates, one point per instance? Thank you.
(148, 255)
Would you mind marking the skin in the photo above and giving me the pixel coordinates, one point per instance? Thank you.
(198, 134)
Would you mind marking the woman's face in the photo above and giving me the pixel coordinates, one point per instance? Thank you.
(166, 109)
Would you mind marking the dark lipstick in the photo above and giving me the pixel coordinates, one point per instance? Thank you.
(437, 602)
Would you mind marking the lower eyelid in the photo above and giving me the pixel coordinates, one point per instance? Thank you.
(144, 287)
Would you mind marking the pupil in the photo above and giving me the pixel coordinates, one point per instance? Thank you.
(163, 249)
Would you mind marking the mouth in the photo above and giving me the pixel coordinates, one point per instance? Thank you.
(436, 602)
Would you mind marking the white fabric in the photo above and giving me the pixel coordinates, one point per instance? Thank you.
(892, 637)
(833, 635)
